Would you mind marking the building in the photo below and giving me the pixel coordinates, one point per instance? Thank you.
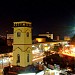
(22, 43)
(47, 34)
(22, 49)
(67, 38)
(10, 39)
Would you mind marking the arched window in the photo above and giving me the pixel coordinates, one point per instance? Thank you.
(18, 34)
(27, 34)
(18, 58)
(27, 57)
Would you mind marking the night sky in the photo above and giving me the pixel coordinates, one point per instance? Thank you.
(57, 17)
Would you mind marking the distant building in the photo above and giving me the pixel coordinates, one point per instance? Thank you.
(67, 38)
(37, 40)
(47, 34)
(10, 39)
(10, 36)
(58, 38)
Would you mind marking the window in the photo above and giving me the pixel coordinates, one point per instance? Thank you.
(27, 57)
(18, 58)
(18, 34)
(27, 34)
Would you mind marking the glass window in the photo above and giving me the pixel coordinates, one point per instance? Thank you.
(27, 57)
(27, 34)
(18, 58)
(18, 34)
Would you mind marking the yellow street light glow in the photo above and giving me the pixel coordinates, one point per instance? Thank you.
(38, 58)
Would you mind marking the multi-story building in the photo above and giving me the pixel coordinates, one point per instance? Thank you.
(47, 34)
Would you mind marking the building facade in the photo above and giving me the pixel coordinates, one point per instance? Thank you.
(47, 34)
(22, 44)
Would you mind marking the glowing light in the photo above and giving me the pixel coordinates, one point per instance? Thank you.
(40, 73)
(35, 51)
(11, 66)
(38, 58)
(33, 46)
(46, 48)
(73, 50)
(28, 74)
(45, 45)
(40, 39)
(69, 52)
(67, 45)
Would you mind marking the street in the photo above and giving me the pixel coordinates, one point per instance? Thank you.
(5, 61)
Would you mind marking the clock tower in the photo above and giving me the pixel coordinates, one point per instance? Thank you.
(22, 43)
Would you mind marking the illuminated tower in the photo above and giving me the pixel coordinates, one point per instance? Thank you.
(22, 46)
